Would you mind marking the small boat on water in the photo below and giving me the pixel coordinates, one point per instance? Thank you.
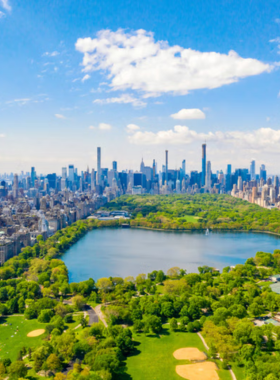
(207, 232)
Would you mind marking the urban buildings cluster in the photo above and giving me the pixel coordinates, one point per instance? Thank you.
(32, 204)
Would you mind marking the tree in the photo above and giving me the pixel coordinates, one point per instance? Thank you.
(104, 284)
(45, 316)
(173, 324)
(256, 309)
(160, 277)
(167, 309)
(154, 323)
(2, 370)
(17, 369)
(53, 363)
(60, 376)
(173, 272)
(140, 279)
(78, 302)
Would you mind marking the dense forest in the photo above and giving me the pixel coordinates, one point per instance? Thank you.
(194, 212)
(221, 306)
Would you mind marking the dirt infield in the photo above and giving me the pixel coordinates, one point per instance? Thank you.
(34, 333)
(199, 371)
(189, 353)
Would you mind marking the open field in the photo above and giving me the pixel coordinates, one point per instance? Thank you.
(13, 335)
(198, 371)
(153, 358)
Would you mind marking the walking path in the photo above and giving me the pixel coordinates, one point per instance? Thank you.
(100, 315)
(207, 348)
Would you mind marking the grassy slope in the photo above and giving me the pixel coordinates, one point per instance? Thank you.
(153, 358)
(9, 346)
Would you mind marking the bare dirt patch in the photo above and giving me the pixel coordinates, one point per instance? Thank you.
(35, 333)
(198, 371)
(189, 353)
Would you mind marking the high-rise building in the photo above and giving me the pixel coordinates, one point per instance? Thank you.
(64, 173)
(229, 169)
(208, 175)
(184, 167)
(15, 186)
(92, 179)
(263, 172)
(98, 166)
(142, 165)
(166, 166)
(115, 165)
(154, 169)
(203, 172)
(71, 173)
(33, 176)
(253, 169)
(240, 183)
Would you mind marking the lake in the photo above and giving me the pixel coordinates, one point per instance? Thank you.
(114, 252)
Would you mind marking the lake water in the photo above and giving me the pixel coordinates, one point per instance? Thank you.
(113, 252)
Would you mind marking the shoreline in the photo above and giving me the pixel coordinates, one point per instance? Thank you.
(204, 229)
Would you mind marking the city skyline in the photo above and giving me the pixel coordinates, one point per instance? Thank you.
(64, 93)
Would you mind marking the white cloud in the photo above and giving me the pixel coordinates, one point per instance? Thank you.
(20, 102)
(86, 77)
(188, 114)
(136, 61)
(2, 14)
(125, 99)
(50, 54)
(5, 4)
(59, 116)
(265, 139)
(277, 20)
(131, 128)
(105, 127)
(101, 126)
(276, 41)
(2, 135)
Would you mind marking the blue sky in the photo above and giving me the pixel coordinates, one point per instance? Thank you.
(75, 75)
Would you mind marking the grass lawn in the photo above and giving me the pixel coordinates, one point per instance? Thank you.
(153, 358)
(190, 218)
(11, 340)
(238, 371)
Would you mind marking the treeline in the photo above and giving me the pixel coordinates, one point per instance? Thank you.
(196, 212)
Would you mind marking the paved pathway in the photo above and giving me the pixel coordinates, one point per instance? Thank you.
(207, 348)
(100, 315)
(93, 317)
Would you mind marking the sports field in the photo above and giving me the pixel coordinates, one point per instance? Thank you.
(153, 358)
(13, 335)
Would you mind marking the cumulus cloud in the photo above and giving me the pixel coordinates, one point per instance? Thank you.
(276, 41)
(188, 114)
(124, 99)
(2, 14)
(137, 61)
(50, 54)
(59, 116)
(131, 128)
(5, 4)
(102, 127)
(259, 139)
(86, 77)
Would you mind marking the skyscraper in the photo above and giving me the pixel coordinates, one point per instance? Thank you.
(115, 165)
(166, 166)
(184, 167)
(99, 166)
(154, 169)
(208, 175)
(15, 186)
(263, 172)
(229, 169)
(64, 173)
(203, 173)
(33, 176)
(253, 169)
(71, 173)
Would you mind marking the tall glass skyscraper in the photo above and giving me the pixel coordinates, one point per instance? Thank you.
(99, 166)
(203, 173)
